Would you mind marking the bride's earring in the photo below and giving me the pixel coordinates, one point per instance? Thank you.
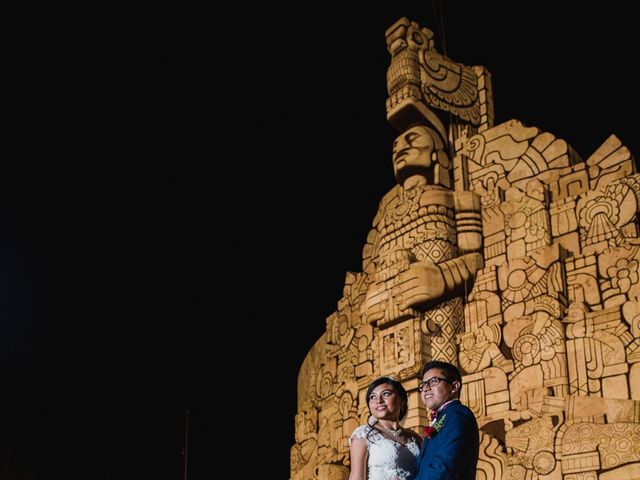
(371, 421)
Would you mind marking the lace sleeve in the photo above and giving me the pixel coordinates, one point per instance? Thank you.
(360, 432)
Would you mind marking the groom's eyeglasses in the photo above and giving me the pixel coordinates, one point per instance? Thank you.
(432, 382)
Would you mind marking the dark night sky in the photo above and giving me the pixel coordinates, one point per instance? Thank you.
(183, 189)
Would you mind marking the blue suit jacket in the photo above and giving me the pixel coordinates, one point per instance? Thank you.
(452, 453)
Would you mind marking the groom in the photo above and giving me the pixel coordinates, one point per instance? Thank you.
(451, 445)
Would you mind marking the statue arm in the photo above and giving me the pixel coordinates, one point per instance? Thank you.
(468, 221)
(427, 283)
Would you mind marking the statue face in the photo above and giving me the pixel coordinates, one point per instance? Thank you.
(412, 151)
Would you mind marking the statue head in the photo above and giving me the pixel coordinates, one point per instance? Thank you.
(419, 153)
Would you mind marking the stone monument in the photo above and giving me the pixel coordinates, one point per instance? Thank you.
(504, 252)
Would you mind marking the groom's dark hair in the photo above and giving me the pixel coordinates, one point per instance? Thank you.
(451, 371)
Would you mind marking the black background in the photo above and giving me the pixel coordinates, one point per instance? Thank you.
(184, 188)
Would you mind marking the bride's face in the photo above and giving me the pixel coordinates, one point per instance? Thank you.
(384, 402)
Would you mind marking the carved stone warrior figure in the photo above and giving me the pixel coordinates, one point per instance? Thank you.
(420, 273)
(499, 250)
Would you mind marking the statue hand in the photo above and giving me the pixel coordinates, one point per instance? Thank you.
(375, 303)
(422, 284)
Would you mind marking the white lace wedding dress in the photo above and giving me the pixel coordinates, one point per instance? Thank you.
(387, 459)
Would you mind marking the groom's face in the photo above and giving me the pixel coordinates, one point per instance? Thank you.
(442, 392)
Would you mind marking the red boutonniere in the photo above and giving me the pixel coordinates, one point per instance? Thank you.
(434, 427)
